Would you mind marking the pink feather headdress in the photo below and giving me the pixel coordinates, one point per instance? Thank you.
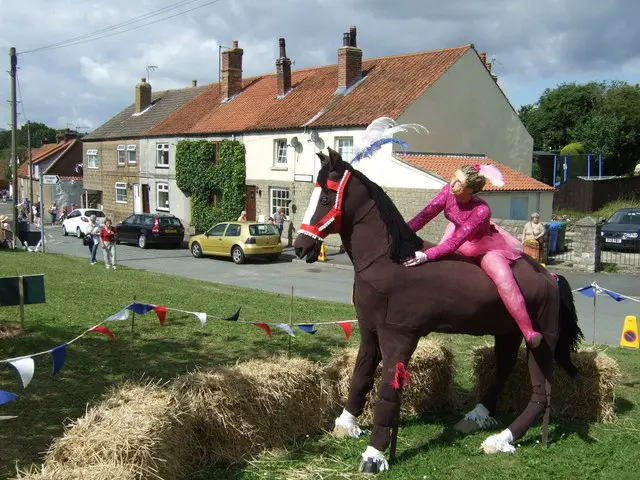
(491, 173)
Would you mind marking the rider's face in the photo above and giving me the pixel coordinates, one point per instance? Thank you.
(458, 183)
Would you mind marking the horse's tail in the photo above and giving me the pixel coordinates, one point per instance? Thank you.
(569, 331)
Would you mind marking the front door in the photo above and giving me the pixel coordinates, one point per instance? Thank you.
(145, 198)
(250, 202)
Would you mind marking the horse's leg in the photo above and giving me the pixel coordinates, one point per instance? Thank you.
(540, 363)
(506, 352)
(361, 383)
(397, 346)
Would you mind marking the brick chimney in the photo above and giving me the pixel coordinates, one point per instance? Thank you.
(349, 60)
(483, 57)
(283, 67)
(194, 83)
(143, 95)
(231, 71)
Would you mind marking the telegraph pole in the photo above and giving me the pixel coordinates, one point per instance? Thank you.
(14, 146)
(30, 167)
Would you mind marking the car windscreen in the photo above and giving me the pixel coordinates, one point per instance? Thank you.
(626, 218)
(262, 229)
(168, 221)
(97, 213)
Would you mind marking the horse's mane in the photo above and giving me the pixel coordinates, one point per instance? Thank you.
(404, 241)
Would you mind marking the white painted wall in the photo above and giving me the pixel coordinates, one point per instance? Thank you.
(500, 203)
(467, 112)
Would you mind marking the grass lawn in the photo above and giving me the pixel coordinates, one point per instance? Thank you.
(80, 296)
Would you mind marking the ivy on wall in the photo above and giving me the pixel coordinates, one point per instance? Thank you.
(216, 189)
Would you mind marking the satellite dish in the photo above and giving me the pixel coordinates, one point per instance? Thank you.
(296, 145)
(314, 136)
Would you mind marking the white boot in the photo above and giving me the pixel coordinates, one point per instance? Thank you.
(481, 416)
(346, 425)
(376, 456)
(500, 442)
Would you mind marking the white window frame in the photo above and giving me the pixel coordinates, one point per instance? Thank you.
(160, 148)
(92, 158)
(121, 154)
(162, 187)
(279, 197)
(346, 152)
(119, 187)
(280, 148)
(130, 149)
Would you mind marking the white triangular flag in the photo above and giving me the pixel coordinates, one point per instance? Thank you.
(286, 328)
(25, 368)
(121, 315)
(6, 417)
(202, 317)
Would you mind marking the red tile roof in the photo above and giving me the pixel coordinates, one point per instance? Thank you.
(444, 166)
(389, 86)
(45, 152)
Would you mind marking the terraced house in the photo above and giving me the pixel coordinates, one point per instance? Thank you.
(285, 117)
(111, 153)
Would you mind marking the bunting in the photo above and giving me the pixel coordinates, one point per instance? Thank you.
(26, 368)
(58, 355)
(7, 396)
(104, 331)
(265, 327)
(594, 289)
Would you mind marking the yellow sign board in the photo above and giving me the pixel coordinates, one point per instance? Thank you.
(629, 337)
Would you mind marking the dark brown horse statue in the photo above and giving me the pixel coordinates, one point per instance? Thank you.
(396, 306)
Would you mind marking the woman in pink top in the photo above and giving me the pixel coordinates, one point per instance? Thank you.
(472, 234)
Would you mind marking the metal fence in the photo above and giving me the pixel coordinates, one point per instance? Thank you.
(626, 258)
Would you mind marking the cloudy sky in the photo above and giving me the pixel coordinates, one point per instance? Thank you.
(536, 43)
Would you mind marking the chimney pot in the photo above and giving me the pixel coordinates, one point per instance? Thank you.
(194, 83)
(352, 37)
(346, 40)
(283, 69)
(143, 79)
(235, 44)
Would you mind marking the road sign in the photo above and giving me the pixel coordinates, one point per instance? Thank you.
(50, 179)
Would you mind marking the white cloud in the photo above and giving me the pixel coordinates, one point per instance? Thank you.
(90, 82)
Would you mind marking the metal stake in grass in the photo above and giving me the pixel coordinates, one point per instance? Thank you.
(290, 322)
(133, 318)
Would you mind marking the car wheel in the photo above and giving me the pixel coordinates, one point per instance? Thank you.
(78, 232)
(64, 231)
(196, 250)
(142, 241)
(238, 255)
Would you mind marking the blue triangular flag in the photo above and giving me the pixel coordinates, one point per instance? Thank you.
(307, 327)
(616, 296)
(234, 317)
(7, 396)
(58, 354)
(587, 291)
(140, 308)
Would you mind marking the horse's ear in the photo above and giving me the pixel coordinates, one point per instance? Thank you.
(335, 158)
(323, 158)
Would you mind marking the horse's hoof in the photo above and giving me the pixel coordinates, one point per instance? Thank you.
(369, 466)
(498, 443)
(466, 426)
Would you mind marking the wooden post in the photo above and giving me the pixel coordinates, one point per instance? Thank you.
(290, 322)
(133, 319)
(21, 294)
(595, 294)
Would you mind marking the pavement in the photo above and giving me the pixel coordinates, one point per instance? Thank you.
(332, 280)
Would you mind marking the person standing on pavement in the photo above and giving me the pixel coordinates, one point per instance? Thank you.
(279, 218)
(53, 211)
(93, 234)
(108, 244)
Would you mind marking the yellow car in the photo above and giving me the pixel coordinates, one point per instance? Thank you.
(238, 240)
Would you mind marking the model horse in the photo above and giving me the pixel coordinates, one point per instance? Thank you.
(396, 306)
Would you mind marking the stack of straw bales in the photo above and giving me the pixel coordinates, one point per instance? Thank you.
(590, 397)
(431, 386)
(132, 433)
(236, 412)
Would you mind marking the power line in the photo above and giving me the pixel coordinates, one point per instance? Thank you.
(97, 34)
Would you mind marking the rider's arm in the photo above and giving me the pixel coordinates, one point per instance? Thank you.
(462, 233)
(433, 208)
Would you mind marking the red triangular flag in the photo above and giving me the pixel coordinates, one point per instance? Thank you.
(265, 327)
(104, 331)
(346, 326)
(162, 313)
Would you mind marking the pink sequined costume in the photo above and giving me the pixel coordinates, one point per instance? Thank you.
(472, 234)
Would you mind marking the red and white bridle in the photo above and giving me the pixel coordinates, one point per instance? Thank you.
(333, 217)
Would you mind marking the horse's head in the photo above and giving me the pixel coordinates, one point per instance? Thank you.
(324, 213)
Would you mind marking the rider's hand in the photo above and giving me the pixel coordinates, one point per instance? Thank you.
(420, 257)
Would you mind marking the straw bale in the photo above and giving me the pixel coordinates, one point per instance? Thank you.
(431, 387)
(589, 398)
(136, 425)
(236, 412)
(103, 471)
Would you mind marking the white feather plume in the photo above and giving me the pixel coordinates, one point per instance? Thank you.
(384, 127)
(491, 173)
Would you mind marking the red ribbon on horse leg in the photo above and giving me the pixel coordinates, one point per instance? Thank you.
(402, 377)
